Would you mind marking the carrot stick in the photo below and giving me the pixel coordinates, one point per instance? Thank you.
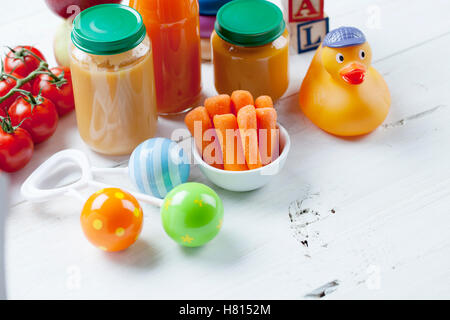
(240, 99)
(264, 102)
(228, 136)
(200, 126)
(267, 133)
(220, 104)
(248, 127)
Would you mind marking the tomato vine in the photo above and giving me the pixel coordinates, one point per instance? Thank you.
(43, 68)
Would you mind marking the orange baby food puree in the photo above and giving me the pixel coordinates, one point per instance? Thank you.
(173, 27)
(262, 70)
(115, 99)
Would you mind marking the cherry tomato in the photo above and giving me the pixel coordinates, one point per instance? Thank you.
(2, 113)
(41, 123)
(111, 219)
(60, 95)
(21, 61)
(16, 147)
(6, 84)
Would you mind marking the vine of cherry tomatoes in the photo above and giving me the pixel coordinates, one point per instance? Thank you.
(32, 98)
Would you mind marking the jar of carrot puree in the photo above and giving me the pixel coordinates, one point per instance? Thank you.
(173, 27)
(250, 49)
(113, 80)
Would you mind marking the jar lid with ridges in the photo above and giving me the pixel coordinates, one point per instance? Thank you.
(108, 29)
(250, 23)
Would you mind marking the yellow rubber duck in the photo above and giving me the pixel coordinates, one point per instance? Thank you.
(342, 93)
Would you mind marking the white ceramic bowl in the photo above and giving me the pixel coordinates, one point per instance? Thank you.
(250, 179)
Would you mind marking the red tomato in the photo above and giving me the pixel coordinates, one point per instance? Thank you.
(2, 113)
(6, 84)
(62, 95)
(21, 61)
(41, 123)
(16, 148)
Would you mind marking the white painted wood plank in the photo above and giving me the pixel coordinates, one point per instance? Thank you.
(389, 190)
(394, 219)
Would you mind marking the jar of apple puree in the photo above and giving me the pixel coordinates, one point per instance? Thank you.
(250, 49)
(113, 80)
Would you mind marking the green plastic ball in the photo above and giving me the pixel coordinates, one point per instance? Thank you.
(192, 214)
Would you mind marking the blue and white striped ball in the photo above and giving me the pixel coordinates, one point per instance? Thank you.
(158, 165)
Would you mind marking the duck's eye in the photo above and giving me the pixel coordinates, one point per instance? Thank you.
(362, 54)
(339, 58)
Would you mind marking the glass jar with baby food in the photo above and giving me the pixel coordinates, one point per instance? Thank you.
(250, 48)
(113, 80)
(173, 27)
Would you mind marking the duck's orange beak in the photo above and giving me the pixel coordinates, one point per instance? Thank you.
(353, 73)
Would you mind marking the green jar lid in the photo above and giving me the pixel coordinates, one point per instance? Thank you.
(249, 23)
(108, 29)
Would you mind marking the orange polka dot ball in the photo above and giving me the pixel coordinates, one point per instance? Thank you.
(111, 219)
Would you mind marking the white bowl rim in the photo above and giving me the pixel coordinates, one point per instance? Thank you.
(284, 153)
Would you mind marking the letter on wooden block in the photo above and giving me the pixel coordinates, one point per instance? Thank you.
(305, 10)
(311, 34)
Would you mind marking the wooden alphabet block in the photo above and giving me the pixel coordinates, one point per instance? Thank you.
(308, 36)
(305, 10)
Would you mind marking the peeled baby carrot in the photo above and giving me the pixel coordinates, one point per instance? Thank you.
(263, 102)
(228, 136)
(248, 127)
(199, 123)
(220, 104)
(267, 134)
(240, 99)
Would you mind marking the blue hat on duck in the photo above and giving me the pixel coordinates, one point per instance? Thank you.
(344, 37)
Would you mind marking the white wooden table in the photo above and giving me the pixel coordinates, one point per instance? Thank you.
(376, 210)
